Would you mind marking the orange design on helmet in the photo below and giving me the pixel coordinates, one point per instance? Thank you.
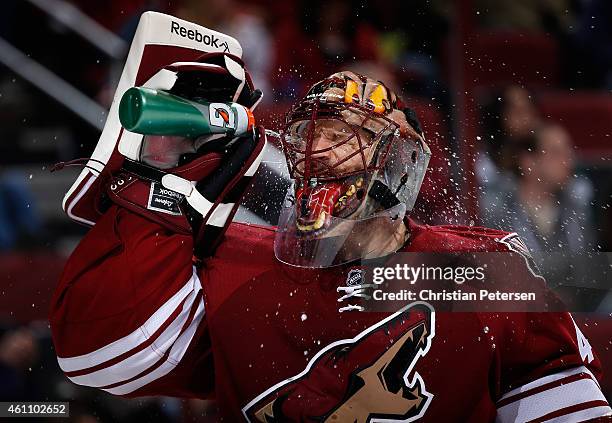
(352, 88)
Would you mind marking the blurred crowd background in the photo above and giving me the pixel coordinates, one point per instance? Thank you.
(514, 95)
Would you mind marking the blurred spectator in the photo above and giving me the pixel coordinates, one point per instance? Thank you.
(342, 36)
(410, 37)
(126, 15)
(19, 219)
(547, 205)
(247, 24)
(18, 352)
(116, 13)
(319, 39)
(510, 115)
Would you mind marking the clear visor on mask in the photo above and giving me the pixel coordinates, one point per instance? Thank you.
(333, 240)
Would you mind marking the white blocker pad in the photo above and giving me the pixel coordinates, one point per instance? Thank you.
(160, 40)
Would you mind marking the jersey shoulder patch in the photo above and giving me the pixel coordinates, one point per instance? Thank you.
(516, 244)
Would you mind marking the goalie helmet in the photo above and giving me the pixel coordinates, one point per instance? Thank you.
(358, 157)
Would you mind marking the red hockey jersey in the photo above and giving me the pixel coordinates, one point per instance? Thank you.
(131, 316)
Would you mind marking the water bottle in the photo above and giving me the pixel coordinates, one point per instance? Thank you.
(156, 112)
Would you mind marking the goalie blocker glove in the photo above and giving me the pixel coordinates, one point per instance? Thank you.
(202, 193)
(172, 199)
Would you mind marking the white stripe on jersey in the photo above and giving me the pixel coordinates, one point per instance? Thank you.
(176, 354)
(167, 341)
(144, 359)
(582, 415)
(563, 392)
(547, 379)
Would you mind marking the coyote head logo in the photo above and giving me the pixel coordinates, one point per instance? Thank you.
(360, 379)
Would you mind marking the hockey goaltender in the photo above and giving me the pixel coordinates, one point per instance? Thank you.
(262, 320)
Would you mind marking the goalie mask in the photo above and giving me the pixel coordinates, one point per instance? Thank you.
(357, 158)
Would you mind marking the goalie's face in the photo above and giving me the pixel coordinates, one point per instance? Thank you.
(337, 153)
(330, 215)
(337, 147)
(332, 162)
(356, 164)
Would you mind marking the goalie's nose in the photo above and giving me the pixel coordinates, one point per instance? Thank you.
(318, 156)
(323, 152)
(321, 141)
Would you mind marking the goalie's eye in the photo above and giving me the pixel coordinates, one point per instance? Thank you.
(302, 128)
(332, 134)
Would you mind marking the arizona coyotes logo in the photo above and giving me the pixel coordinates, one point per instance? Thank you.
(359, 380)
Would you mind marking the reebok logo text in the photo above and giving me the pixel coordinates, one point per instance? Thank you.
(208, 39)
